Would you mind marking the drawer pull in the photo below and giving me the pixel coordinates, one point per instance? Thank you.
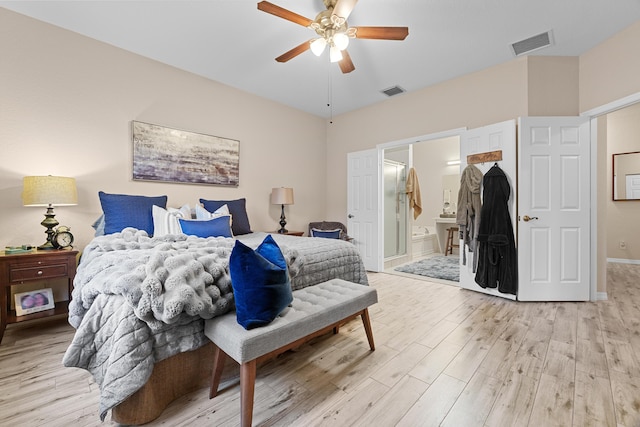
(39, 272)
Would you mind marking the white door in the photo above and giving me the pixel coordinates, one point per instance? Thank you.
(363, 172)
(499, 136)
(554, 206)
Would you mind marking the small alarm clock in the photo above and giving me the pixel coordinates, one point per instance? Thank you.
(62, 238)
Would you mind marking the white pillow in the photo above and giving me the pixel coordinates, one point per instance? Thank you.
(202, 213)
(165, 221)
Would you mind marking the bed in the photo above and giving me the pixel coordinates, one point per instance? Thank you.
(139, 305)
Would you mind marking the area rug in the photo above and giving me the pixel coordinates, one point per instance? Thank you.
(438, 267)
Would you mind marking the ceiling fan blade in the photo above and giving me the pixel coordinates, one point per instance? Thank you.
(283, 13)
(382, 33)
(346, 65)
(302, 47)
(343, 8)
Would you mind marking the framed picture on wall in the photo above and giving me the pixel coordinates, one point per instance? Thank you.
(171, 155)
(34, 301)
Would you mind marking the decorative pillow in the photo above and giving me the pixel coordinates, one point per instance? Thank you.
(202, 213)
(238, 211)
(216, 227)
(123, 210)
(98, 225)
(328, 234)
(260, 282)
(165, 221)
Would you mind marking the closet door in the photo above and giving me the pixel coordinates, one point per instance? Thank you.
(363, 219)
(554, 209)
(499, 136)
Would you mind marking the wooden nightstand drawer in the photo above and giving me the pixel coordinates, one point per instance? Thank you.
(21, 274)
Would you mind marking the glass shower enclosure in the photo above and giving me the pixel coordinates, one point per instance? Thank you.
(395, 209)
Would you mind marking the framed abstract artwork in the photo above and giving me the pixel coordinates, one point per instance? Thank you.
(171, 155)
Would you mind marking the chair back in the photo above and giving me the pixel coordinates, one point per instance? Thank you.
(330, 225)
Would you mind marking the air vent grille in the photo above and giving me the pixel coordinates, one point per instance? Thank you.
(393, 90)
(532, 43)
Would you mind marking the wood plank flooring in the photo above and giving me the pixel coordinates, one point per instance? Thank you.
(444, 357)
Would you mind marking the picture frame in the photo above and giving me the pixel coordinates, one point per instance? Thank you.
(171, 155)
(34, 301)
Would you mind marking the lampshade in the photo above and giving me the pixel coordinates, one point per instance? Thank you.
(317, 46)
(282, 196)
(49, 190)
(335, 54)
(341, 40)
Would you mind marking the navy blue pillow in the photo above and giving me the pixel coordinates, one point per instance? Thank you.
(328, 234)
(237, 209)
(215, 227)
(260, 282)
(123, 210)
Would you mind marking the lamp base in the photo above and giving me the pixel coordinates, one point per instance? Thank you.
(283, 222)
(46, 246)
(49, 222)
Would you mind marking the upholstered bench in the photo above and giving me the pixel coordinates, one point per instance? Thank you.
(315, 310)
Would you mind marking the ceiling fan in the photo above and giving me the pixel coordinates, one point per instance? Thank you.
(333, 30)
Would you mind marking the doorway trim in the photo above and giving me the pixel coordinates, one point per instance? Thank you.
(593, 115)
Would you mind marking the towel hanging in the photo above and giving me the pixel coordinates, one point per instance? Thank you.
(413, 193)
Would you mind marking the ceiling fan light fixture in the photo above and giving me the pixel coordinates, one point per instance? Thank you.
(318, 45)
(341, 40)
(335, 55)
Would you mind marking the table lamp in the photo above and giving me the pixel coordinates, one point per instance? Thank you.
(49, 191)
(282, 196)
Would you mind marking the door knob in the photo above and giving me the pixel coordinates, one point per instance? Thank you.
(528, 218)
(349, 216)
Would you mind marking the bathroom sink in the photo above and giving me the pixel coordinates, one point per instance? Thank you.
(443, 215)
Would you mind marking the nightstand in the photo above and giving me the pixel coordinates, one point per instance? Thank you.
(291, 233)
(20, 268)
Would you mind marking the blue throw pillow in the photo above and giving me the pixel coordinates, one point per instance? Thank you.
(123, 210)
(328, 234)
(237, 209)
(260, 282)
(216, 227)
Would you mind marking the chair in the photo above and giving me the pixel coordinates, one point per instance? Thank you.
(330, 226)
(451, 232)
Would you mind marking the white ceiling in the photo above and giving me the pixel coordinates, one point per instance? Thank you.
(232, 42)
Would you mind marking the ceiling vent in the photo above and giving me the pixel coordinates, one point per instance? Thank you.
(393, 90)
(532, 43)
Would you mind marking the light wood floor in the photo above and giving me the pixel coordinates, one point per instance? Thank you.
(444, 356)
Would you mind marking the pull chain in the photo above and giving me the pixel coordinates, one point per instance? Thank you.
(330, 98)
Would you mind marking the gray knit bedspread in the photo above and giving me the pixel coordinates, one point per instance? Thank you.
(138, 300)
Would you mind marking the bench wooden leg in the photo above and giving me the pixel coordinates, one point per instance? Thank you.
(247, 388)
(366, 321)
(219, 357)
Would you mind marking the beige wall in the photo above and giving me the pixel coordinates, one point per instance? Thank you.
(481, 98)
(66, 107)
(553, 86)
(611, 70)
(623, 128)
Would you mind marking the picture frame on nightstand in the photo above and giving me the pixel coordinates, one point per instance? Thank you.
(34, 301)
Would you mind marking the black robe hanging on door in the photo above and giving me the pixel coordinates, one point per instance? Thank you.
(497, 259)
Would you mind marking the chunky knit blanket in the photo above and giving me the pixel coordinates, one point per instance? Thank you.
(138, 300)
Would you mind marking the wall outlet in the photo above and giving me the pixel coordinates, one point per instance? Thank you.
(622, 244)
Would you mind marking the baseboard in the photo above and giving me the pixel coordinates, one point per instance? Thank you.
(624, 261)
(601, 296)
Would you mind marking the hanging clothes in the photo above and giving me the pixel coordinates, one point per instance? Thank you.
(497, 259)
(468, 211)
(413, 193)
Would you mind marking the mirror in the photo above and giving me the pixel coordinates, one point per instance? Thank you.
(626, 176)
